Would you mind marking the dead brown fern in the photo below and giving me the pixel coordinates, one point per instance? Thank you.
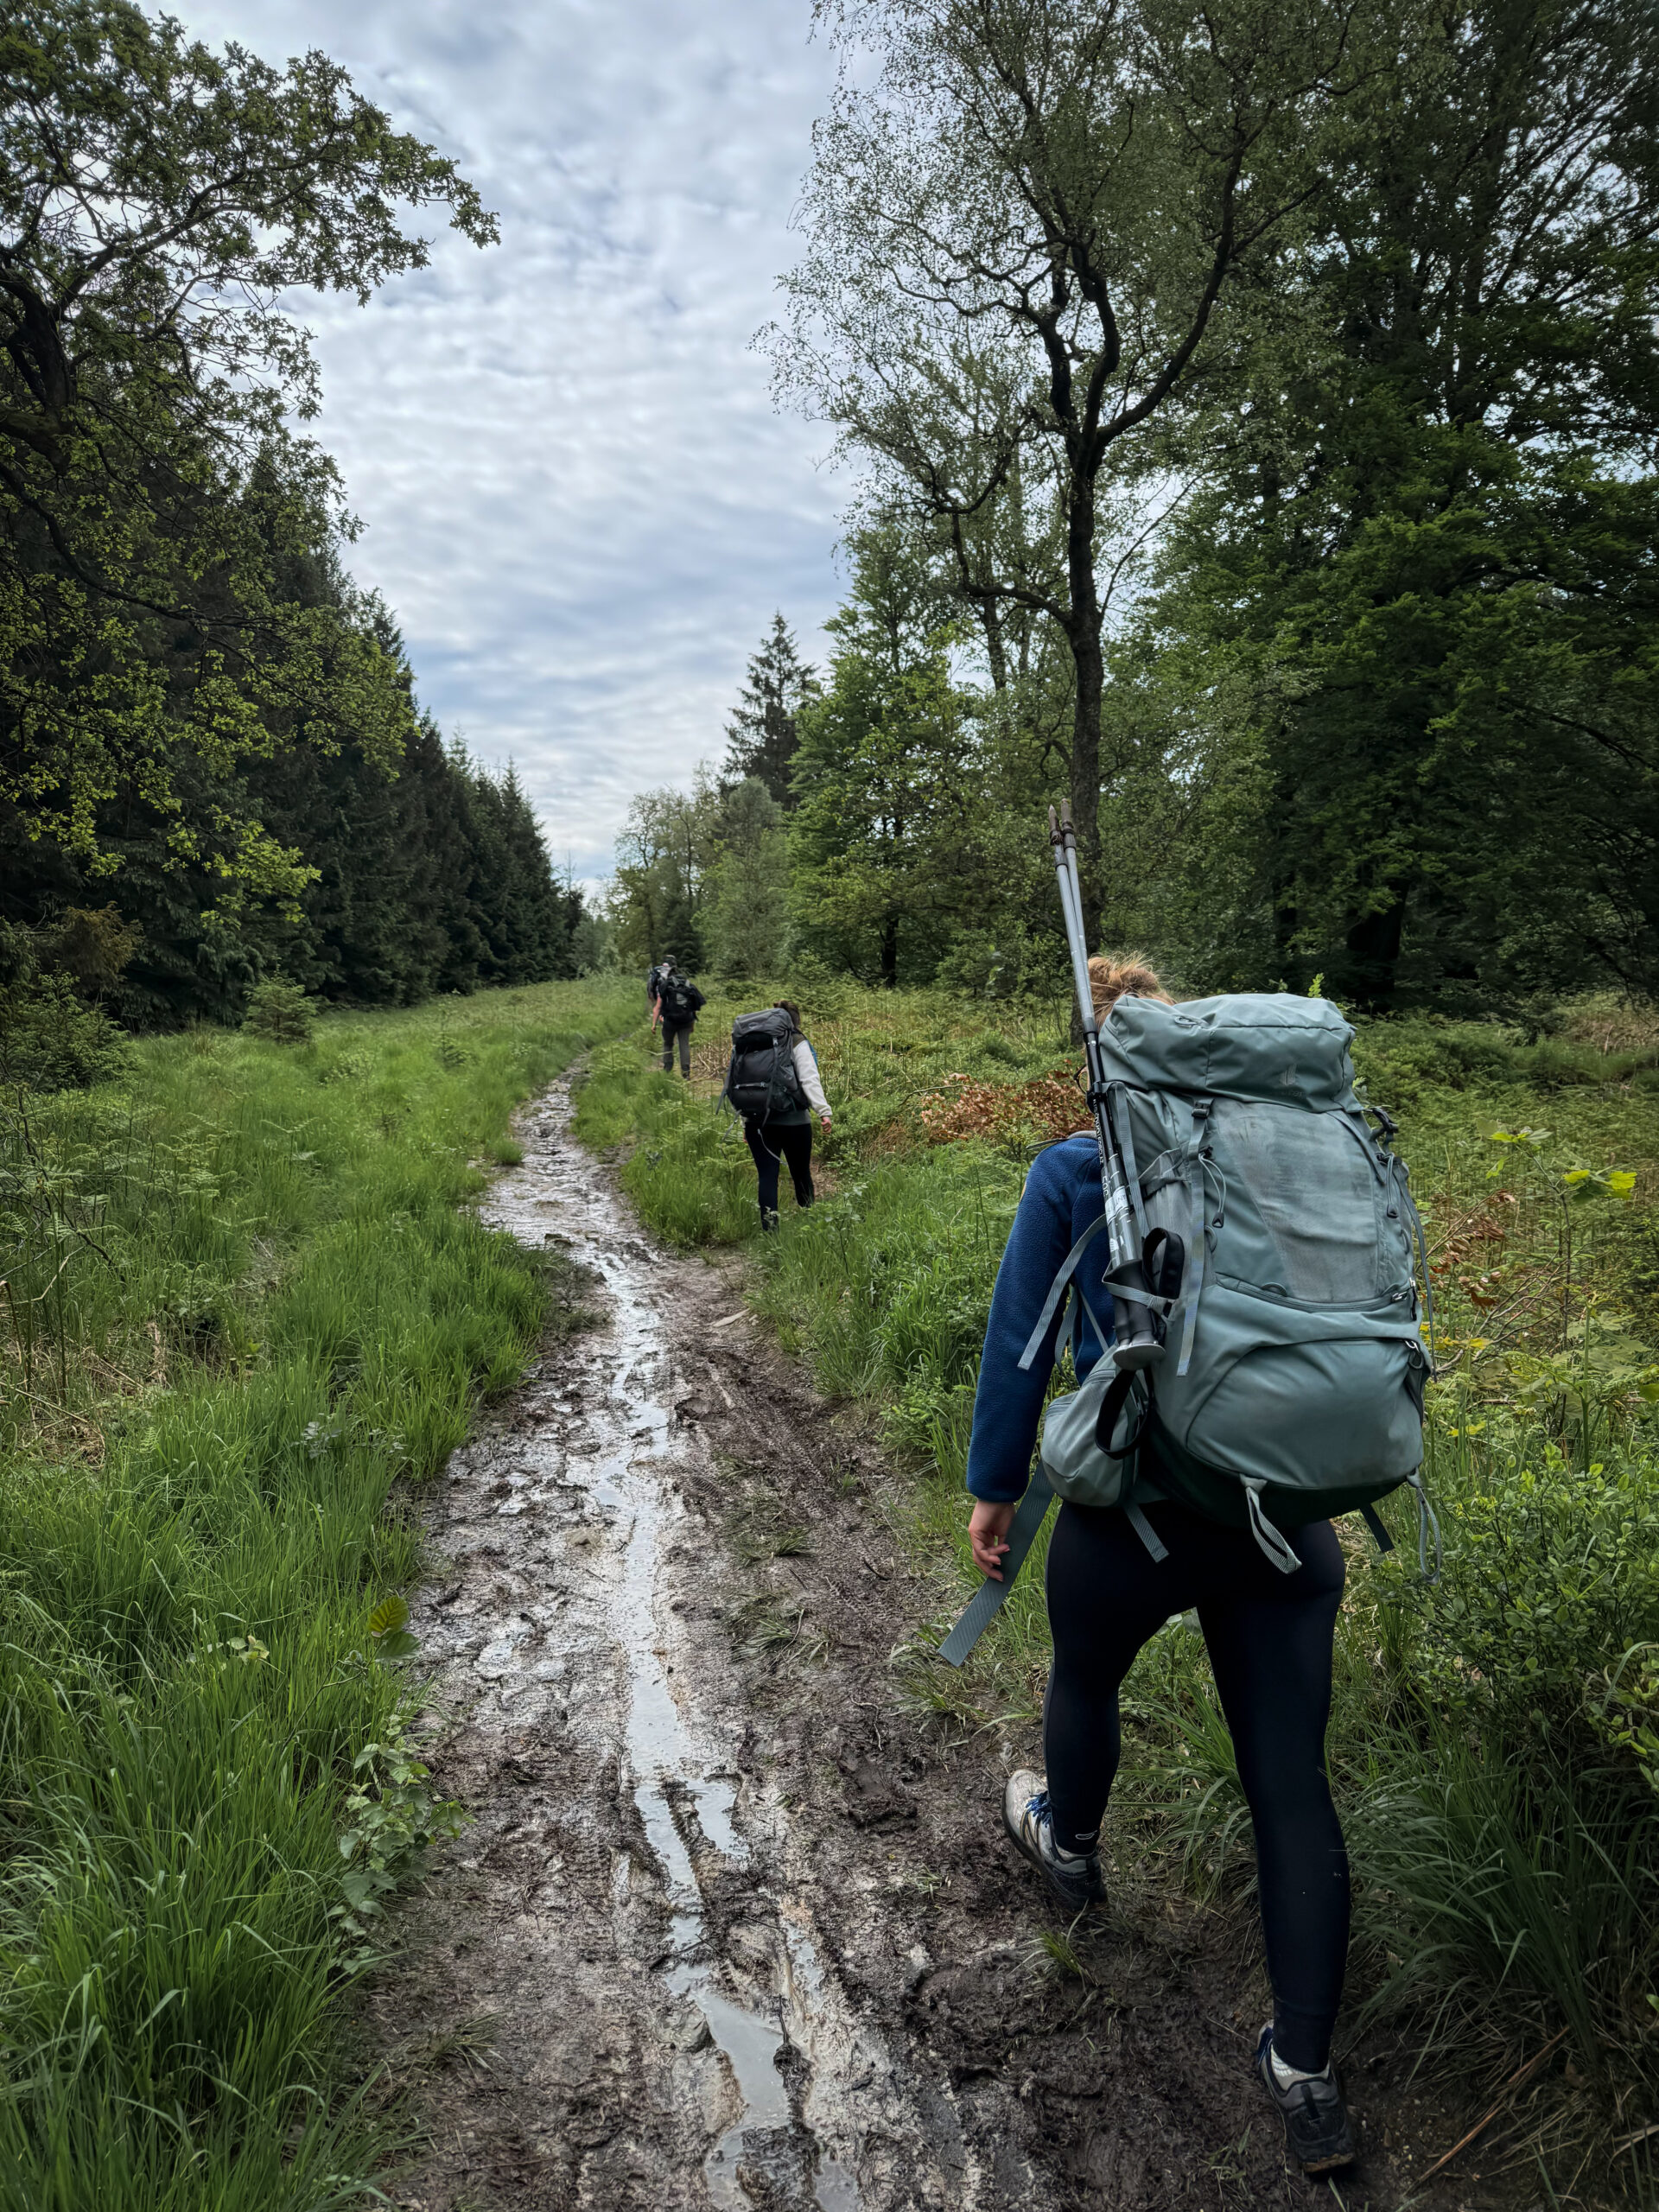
(1019, 1118)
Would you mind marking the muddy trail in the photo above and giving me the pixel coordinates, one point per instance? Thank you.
(733, 1924)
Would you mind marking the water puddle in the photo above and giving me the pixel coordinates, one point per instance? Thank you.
(620, 1458)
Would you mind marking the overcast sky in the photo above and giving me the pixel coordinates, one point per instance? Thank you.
(578, 498)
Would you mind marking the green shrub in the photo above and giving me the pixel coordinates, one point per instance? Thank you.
(50, 1038)
(279, 1013)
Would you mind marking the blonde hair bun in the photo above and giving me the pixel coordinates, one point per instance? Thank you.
(1116, 975)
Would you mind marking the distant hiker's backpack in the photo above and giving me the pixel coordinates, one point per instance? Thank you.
(761, 1078)
(654, 981)
(1292, 1385)
(676, 1000)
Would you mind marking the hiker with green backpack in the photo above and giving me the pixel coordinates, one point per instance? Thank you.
(1249, 1362)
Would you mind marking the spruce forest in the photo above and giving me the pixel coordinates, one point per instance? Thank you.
(474, 1735)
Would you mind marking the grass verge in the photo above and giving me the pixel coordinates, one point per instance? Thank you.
(243, 1306)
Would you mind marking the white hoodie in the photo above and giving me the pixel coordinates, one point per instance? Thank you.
(806, 1074)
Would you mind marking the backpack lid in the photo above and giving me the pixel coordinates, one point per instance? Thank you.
(1268, 1045)
(771, 1026)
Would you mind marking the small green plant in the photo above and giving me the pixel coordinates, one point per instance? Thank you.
(278, 1013)
(388, 1630)
(393, 1818)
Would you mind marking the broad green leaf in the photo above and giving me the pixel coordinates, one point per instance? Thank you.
(391, 1613)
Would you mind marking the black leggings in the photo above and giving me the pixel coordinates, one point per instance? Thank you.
(1269, 1639)
(771, 1141)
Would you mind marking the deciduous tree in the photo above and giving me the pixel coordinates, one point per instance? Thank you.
(1028, 222)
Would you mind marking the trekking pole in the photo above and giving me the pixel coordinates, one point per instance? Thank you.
(1137, 1342)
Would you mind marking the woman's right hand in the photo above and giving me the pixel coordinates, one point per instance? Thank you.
(987, 1528)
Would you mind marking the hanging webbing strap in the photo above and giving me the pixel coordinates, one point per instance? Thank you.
(1427, 1519)
(1272, 1540)
(988, 1601)
(1148, 1536)
(1198, 1243)
(1057, 1289)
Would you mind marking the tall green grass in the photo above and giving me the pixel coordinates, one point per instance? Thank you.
(1495, 1741)
(245, 1304)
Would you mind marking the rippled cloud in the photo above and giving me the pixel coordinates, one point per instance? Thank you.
(576, 495)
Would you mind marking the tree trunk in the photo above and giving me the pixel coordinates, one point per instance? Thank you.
(890, 953)
(990, 617)
(1084, 794)
(1373, 948)
(1082, 635)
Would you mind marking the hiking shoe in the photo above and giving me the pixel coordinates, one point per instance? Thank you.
(1074, 1877)
(1316, 2127)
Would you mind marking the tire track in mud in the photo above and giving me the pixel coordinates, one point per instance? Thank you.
(634, 1959)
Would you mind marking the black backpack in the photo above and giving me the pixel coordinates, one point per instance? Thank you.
(677, 1000)
(761, 1078)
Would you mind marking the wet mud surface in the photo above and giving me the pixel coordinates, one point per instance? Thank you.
(733, 1924)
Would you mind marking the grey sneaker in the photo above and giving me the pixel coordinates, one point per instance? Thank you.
(1316, 2127)
(1074, 1877)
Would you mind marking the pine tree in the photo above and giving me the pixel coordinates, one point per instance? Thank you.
(762, 734)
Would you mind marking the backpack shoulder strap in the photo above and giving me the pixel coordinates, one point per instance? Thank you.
(1057, 1289)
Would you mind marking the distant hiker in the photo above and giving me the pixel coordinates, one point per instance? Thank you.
(678, 1003)
(1115, 1576)
(772, 1083)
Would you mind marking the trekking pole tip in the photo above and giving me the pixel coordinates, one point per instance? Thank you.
(1065, 814)
(1054, 827)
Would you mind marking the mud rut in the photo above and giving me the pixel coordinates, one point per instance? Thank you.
(724, 1931)
(631, 1916)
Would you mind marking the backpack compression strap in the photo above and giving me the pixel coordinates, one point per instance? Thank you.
(990, 1599)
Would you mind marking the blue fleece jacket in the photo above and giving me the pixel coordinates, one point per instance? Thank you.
(1062, 1196)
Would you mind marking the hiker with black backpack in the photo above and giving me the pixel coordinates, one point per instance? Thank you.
(678, 1004)
(1249, 1362)
(773, 1084)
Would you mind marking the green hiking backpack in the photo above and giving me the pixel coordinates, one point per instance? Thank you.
(1279, 1222)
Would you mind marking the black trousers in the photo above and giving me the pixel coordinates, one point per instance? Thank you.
(1269, 1638)
(682, 1030)
(773, 1142)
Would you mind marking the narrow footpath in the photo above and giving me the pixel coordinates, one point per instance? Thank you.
(625, 1958)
